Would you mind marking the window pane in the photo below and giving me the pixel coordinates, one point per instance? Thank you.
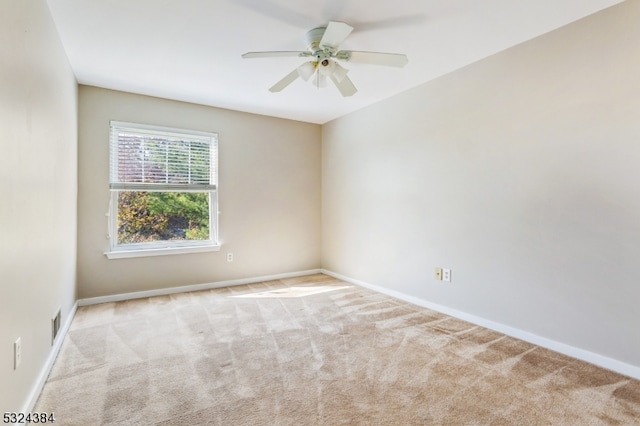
(145, 217)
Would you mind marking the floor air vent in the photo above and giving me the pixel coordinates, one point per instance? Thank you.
(55, 326)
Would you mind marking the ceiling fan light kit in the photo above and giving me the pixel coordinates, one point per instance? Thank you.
(322, 46)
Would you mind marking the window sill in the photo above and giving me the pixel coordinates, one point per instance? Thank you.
(165, 251)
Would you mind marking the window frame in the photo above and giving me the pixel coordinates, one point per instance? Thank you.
(167, 247)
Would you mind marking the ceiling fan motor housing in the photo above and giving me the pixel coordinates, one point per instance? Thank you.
(322, 53)
(313, 38)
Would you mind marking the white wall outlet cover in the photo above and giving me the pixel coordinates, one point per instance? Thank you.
(446, 275)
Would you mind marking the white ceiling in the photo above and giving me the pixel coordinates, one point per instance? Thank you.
(189, 50)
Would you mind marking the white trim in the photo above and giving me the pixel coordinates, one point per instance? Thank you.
(572, 351)
(163, 187)
(164, 251)
(116, 185)
(188, 288)
(46, 370)
(161, 130)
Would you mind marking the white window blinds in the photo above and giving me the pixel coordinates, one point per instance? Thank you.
(150, 158)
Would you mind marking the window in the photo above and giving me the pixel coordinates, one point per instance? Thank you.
(163, 186)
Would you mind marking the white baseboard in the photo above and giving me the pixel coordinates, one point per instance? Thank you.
(188, 288)
(572, 351)
(46, 369)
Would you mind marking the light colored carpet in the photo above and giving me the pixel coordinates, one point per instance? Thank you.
(315, 351)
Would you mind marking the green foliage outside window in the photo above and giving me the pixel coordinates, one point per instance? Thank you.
(162, 216)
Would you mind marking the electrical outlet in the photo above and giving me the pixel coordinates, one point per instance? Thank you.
(438, 275)
(446, 275)
(17, 353)
(229, 257)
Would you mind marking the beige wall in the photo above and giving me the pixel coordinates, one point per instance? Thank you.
(520, 173)
(38, 121)
(269, 197)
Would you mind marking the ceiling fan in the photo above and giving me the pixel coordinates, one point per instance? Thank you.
(322, 47)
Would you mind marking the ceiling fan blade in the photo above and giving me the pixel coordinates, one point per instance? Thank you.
(335, 34)
(287, 80)
(276, 54)
(339, 72)
(374, 58)
(345, 86)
